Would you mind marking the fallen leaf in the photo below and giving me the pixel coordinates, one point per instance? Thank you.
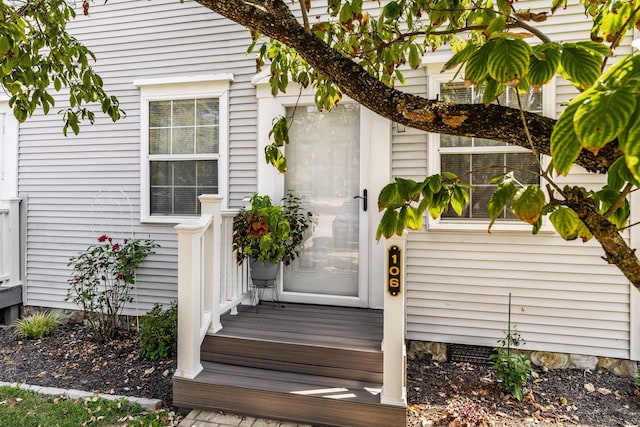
(564, 401)
(149, 371)
(604, 391)
(589, 387)
(617, 395)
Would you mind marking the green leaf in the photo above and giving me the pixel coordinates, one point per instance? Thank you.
(275, 157)
(459, 199)
(527, 204)
(596, 47)
(387, 226)
(345, 12)
(435, 183)
(408, 189)
(509, 60)
(545, 62)
(389, 197)
(439, 203)
(413, 218)
(614, 22)
(499, 199)
(476, 68)
(602, 117)
(557, 4)
(392, 10)
(565, 146)
(460, 57)
(496, 25)
(629, 142)
(624, 73)
(618, 174)
(492, 90)
(566, 223)
(414, 56)
(579, 65)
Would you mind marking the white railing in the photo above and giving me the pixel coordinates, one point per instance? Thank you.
(10, 242)
(209, 280)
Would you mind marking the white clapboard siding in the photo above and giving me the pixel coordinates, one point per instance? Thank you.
(410, 147)
(59, 177)
(564, 296)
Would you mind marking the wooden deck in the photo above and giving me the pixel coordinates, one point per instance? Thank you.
(310, 364)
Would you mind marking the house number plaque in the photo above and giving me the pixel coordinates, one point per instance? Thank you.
(394, 270)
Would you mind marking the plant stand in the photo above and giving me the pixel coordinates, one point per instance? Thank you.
(263, 276)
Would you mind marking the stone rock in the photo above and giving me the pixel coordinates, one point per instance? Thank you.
(550, 360)
(76, 317)
(420, 350)
(625, 368)
(438, 351)
(579, 361)
(606, 364)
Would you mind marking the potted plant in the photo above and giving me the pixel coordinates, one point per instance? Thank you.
(268, 234)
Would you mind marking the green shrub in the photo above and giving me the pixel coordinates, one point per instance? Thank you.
(37, 325)
(159, 332)
(512, 366)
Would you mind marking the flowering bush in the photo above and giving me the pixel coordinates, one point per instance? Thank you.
(103, 275)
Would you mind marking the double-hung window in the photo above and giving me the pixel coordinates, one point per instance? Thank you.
(476, 160)
(184, 128)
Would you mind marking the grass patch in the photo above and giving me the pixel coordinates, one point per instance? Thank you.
(23, 408)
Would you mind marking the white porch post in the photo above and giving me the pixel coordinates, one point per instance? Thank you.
(211, 204)
(189, 304)
(393, 345)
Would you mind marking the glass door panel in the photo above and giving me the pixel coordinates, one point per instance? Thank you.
(323, 159)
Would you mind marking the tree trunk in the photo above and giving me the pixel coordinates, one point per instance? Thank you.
(616, 250)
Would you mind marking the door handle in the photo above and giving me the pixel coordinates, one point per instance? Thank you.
(364, 199)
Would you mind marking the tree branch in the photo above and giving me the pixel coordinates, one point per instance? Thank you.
(492, 122)
(616, 250)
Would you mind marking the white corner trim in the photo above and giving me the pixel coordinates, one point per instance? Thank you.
(202, 78)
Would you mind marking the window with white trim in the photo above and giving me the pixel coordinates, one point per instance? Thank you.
(184, 128)
(476, 160)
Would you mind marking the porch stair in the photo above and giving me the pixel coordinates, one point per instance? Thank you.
(302, 363)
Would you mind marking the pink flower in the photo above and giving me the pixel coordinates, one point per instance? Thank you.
(103, 238)
(120, 276)
(116, 246)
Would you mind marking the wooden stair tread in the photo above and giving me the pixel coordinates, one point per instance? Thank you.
(289, 383)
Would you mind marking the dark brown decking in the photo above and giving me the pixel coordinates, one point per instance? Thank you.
(313, 364)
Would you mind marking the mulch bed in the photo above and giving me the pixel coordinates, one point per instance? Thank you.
(452, 394)
(70, 359)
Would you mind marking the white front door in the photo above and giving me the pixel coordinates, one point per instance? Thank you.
(332, 158)
(327, 170)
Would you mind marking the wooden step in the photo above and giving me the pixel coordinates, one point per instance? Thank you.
(363, 365)
(296, 397)
(318, 340)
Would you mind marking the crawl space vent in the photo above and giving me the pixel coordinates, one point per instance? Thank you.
(469, 353)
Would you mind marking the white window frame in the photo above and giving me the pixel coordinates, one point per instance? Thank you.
(435, 79)
(179, 88)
